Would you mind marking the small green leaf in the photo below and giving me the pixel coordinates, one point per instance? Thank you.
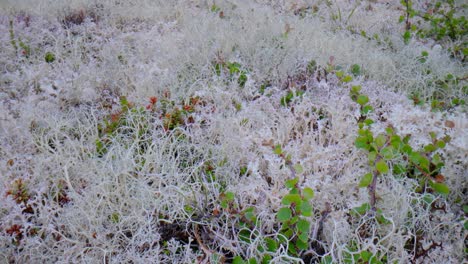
(301, 245)
(365, 255)
(229, 196)
(292, 249)
(362, 209)
(424, 163)
(387, 153)
(407, 149)
(407, 37)
(399, 169)
(292, 183)
(368, 121)
(284, 214)
(430, 148)
(294, 191)
(298, 168)
(372, 155)
(365, 180)
(381, 167)
(465, 225)
(327, 260)
(306, 209)
(367, 109)
(303, 226)
(238, 260)
(224, 204)
(356, 88)
(362, 99)
(278, 150)
(415, 157)
(308, 193)
(242, 80)
(272, 245)
(249, 213)
(356, 69)
(304, 237)
(291, 198)
(361, 142)
(380, 140)
(252, 261)
(347, 78)
(465, 208)
(441, 188)
(440, 144)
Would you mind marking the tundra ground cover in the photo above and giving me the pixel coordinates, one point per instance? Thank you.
(233, 131)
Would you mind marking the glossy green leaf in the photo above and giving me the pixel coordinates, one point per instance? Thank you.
(301, 244)
(347, 78)
(440, 144)
(361, 142)
(367, 109)
(356, 88)
(365, 180)
(292, 198)
(292, 183)
(272, 245)
(284, 214)
(381, 167)
(366, 255)
(238, 260)
(303, 226)
(368, 121)
(356, 69)
(441, 188)
(465, 208)
(380, 140)
(399, 169)
(362, 209)
(304, 237)
(230, 196)
(306, 209)
(308, 193)
(387, 153)
(372, 156)
(278, 150)
(362, 99)
(430, 148)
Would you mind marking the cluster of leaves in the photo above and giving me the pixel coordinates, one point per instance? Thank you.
(390, 150)
(295, 227)
(120, 124)
(438, 100)
(233, 69)
(354, 255)
(289, 97)
(443, 23)
(22, 195)
(135, 121)
(293, 217)
(294, 232)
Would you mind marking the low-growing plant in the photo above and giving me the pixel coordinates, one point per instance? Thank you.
(443, 23)
(233, 69)
(390, 150)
